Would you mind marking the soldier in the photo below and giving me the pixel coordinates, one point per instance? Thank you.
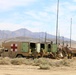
(69, 52)
(52, 54)
(34, 53)
(41, 52)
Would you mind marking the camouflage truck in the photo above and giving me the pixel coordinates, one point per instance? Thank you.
(19, 49)
(27, 49)
(1, 50)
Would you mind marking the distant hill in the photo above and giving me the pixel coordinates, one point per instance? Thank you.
(23, 33)
(5, 34)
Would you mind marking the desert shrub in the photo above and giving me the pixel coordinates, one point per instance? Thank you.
(39, 61)
(36, 62)
(5, 61)
(44, 66)
(1, 58)
(65, 62)
(28, 61)
(20, 61)
(59, 63)
(51, 62)
(17, 61)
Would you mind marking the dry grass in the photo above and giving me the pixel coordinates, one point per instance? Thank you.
(51, 62)
(5, 61)
(20, 61)
(17, 61)
(44, 66)
(39, 61)
(43, 63)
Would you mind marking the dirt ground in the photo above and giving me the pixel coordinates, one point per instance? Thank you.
(34, 70)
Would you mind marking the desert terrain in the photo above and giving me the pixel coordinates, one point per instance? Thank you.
(56, 68)
(33, 70)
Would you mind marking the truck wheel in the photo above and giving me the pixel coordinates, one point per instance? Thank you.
(19, 56)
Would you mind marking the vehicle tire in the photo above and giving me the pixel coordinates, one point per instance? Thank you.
(19, 56)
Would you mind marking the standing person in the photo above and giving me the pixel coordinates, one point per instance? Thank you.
(52, 53)
(69, 52)
(41, 52)
(60, 51)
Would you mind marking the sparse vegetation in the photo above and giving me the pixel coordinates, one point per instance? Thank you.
(39, 61)
(20, 61)
(5, 61)
(43, 63)
(44, 66)
(17, 61)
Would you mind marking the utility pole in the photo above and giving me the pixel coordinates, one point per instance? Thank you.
(63, 40)
(57, 22)
(45, 37)
(39, 37)
(59, 36)
(70, 31)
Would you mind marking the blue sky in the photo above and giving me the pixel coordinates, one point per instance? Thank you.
(38, 16)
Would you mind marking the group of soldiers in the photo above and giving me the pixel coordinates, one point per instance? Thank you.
(62, 52)
(65, 51)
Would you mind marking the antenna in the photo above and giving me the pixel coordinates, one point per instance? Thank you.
(58, 36)
(70, 31)
(57, 21)
(63, 40)
(39, 37)
(45, 37)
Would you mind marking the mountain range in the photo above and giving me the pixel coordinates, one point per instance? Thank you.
(5, 34)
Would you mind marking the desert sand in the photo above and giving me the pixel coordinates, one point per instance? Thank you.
(34, 70)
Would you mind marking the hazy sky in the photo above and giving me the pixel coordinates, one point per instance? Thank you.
(38, 15)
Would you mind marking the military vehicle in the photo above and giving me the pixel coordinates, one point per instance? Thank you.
(27, 49)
